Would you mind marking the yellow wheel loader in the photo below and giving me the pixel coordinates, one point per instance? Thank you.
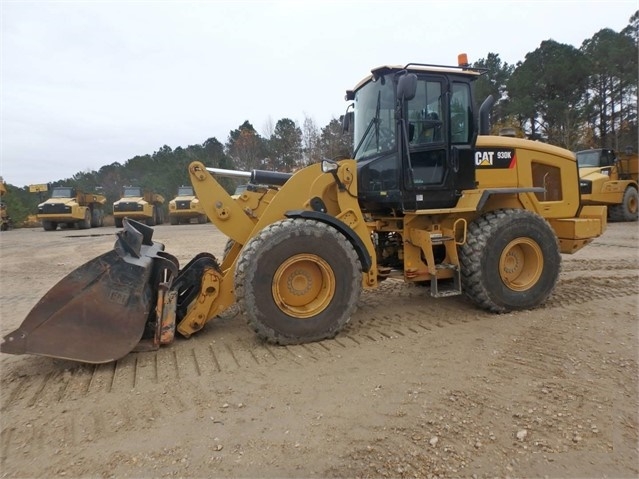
(427, 197)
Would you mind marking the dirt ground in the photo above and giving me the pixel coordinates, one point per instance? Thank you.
(414, 387)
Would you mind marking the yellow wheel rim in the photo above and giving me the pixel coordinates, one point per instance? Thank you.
(632, 205)
(521, 264)
(303, 285)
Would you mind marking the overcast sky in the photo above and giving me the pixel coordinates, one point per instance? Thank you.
(86, 84)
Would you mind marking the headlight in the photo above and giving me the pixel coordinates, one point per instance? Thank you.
(585, 187)
(329, 165)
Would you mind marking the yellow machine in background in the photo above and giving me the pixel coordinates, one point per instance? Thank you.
(611, 179)
(428, 198)
(185, 207)
(4, 215)
(70, 207)
(139, 205)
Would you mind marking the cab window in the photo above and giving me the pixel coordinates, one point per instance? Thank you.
(425, 114)
(549, 178)
(460, 113)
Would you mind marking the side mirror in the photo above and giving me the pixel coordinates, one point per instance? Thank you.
(407, 86)
(484, 115)
(347, 119)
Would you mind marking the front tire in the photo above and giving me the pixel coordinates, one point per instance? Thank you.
(628, 210)
(510, 261)
(49, 225)
(298, 281)
(85, 224)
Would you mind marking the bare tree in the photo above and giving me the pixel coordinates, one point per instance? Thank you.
(311, 147)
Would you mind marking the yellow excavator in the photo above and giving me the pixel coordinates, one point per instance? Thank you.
(428, 196)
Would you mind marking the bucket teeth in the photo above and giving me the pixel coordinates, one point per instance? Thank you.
(131, 238)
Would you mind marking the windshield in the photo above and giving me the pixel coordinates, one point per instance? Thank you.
(596, 158)
(185, 191)
(374, 130)
(132, 191)
(588, 158)
(62, 193)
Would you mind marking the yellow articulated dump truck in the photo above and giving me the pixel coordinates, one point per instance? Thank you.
(186, 207)
(610, 178)
(139, 205)
(427, 197)
(4, 215)
(69, 207)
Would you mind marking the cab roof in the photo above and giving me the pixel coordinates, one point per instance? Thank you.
(464, 70)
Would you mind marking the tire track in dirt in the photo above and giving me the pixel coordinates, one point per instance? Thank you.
(560, 402)
(589, 288)
(392, 312)
(573, 401)
(601, 265)
(240, 350)
(603, 244)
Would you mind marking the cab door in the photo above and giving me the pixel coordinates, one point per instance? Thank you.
(439, 136)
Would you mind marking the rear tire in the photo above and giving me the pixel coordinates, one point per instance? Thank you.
(628, 210)
(96, 218)
(173, 220)
(298, 281)
(151, 221)
(510, 261)
(118, 222)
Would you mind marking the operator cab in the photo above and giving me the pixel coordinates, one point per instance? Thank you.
(414, 130)
(132, 192)
(596, 158)
(63, 192)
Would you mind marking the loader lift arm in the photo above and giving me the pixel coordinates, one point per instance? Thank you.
(217, 288)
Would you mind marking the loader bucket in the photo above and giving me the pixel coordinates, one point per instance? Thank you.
(98, 313)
